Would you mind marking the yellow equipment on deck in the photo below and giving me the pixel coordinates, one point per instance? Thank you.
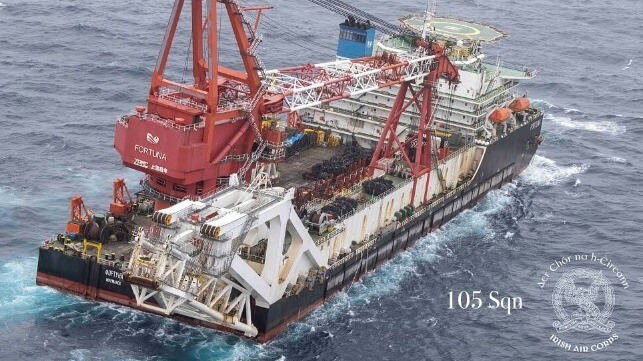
(98, 246)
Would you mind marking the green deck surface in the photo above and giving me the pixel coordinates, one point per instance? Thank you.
(455, 28)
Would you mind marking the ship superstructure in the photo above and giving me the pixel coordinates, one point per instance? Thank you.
(267, 191)
(463, 111)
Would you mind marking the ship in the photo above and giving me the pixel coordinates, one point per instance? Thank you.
(266, 192)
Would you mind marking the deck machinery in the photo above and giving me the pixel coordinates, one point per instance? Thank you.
(210, 240)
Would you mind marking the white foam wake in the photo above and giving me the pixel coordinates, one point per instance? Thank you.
(20, 297)
(616, 159)
(10, 197)
(546, 103)
(591, 126)
(572, 111)
(546, 172)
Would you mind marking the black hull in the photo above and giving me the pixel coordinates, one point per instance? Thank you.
(503, 161)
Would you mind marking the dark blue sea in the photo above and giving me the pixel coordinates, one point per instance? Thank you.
(69, 68)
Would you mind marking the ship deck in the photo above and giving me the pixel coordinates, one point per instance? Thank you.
(291, 170)
(291, 174)
(121, 251)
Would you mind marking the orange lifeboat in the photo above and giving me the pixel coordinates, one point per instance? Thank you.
(520, 104)
(500, 115)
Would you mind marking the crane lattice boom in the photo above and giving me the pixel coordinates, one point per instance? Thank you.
(311, 85)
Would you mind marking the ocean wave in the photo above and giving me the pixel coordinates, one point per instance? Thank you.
(116, 68)
(77, 9)
(89, 28)
(546, 172)
(549, 105)
(10, 196)
(575, 194)
(592, 126)
(572, 111)
(616, 159)
(627, 66)
(20, 295)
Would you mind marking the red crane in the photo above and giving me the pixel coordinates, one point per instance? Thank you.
(389, 142)
(79, 215)
(191, 138)
(183, 135)
(122, 201)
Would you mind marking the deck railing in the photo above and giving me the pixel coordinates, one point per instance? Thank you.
(168, 123)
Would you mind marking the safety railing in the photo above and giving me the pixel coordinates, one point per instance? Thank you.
(168, 123)
(166, 94)
(234, 158)
(461, 150)
(147, 187)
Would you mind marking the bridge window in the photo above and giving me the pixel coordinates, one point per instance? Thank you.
(356, 123)
(352, 36)
(179, 188)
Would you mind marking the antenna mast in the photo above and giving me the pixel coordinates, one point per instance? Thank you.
(430, 13)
